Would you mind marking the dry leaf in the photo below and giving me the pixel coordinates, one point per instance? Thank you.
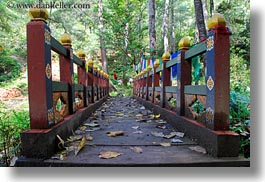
(115, 133)
(198, 149)
(92, 124)
(165, 144)
(137, 149)
(61, 143)
(89, 138)
(109, 154)
(179, 134)
(157, 134)
(81, 145)
(171, 135)
(135, 127)
(139, 115)
(82, 128)
(74, 138)
(138, 132)
(176, 140)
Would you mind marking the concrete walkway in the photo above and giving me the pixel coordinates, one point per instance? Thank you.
(144, 139)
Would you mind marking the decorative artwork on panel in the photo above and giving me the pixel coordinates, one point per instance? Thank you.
(209, 115)
(48, 71)
(210, 43)
(210, 83)
(50, 115)
(47, 36)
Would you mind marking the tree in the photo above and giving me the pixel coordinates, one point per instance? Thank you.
(172, 28)
(165, 26)
(101, 37)
(200, 19)
(152, 28)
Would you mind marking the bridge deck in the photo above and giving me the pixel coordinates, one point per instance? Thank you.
(140, 130)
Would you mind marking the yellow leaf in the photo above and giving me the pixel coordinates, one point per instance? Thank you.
(81, 145)
(157, 116)
(109, 154)
(83, 128)
(115, 133)
(74, 138)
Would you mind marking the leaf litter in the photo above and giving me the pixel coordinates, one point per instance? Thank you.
(137, 149)
(108, 154)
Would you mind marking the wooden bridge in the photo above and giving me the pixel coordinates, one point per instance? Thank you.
(59, 108)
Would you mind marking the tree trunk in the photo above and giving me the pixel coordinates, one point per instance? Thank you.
(101, 37)
(200, 19)
(124, 80)
(165, 26)
(152, 30)
(205, 11)
(172, 28)
(211, 7)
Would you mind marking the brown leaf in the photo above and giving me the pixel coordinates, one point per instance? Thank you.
(109, 154)
(115, 133)
(157, 134)
(198, 149)
(74, 138)
(82, 128)
(137, 149)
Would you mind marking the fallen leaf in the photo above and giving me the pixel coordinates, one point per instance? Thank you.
(198, 149)
(109, 154)
(92, 124)
(89, 138)
(61, 143)
(161, 122)
(138, 132)
(176, 140)
(180, 134)
(165, 144)
(171, 135)
(153, 116)
(137, 149)
(142, 108)
(82, 128)
(135, 127)
(80, 146)
(74, 138)
(139, 115)
(70, 148)
(157, 134)
(115, 133)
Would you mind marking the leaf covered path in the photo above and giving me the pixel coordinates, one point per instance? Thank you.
(124, 133)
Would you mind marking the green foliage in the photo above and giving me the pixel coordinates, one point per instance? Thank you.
(240, 119)
(198, 107)
(9, 69)
(11, 125)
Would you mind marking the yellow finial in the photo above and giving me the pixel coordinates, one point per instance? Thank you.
(81, 54)
(184, 43)
(216, 20)
(149, 68)
(156, 64)
(37, 14)
(95, 67)
(166, 56)
(66, 39)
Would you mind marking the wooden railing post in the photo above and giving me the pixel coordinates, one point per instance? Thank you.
(183, 75)
(155, 80)
(82, 76)
(39, 71)
(90, 79)
(67, 70)
(95, 82)
(165, 79)
(217, 77)
(149, 81)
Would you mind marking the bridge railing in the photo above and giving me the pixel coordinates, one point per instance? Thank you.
(51, 101)
(155, 86)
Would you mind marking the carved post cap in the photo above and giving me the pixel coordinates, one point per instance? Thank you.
(66, 39)
(38, 14)
(81, 54)
(216, 20)
(166, 56)
(184, 43)
(156, 64)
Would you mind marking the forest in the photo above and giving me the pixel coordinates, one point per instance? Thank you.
(115, 34)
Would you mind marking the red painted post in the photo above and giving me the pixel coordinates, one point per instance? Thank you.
(95, 82)
(165, 79)
(156, 77)
(217, 78)
(67, 70)
(90, 79)
(39, 72)
(183, 75)
(149, 81)
(82, 76)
